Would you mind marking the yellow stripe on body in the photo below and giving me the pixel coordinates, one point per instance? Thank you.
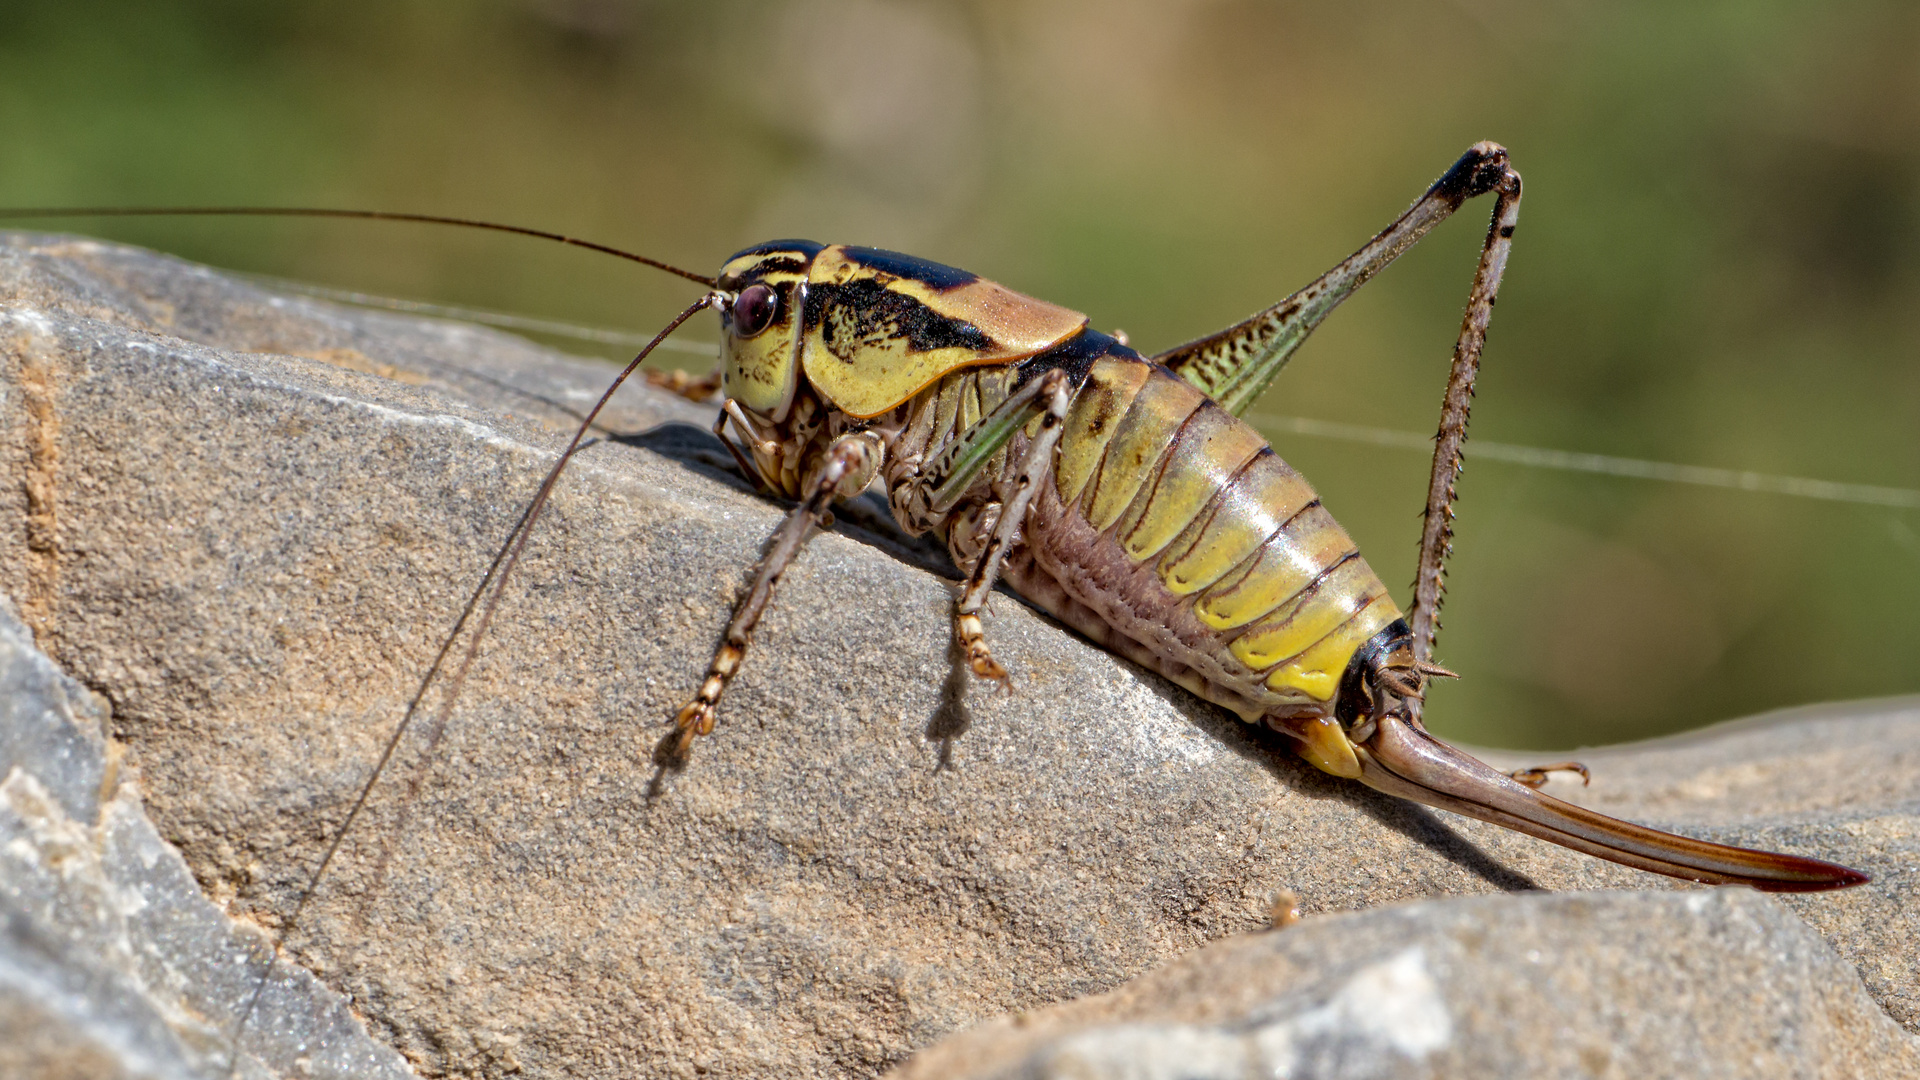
(1207, 452)
(1107, 394)
(1229, 522)
(1304, 621)
(1317, 671)
(1245, 512)
(1288, 562)
(1158, 412)
(970, 411)
(1291, 628)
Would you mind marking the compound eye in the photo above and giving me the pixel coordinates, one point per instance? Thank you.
(754, 309)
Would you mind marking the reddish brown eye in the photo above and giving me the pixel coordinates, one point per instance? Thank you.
(754, 308)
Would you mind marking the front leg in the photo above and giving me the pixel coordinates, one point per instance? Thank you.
(844, 471)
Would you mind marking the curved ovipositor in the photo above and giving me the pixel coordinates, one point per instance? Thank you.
(1392, 752)
(1404, 760)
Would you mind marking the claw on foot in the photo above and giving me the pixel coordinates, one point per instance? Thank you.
(1537, 776)
(983, 664)
(973, 640)
(695, 718)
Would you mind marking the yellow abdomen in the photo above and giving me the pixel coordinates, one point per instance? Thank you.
(1175, 524)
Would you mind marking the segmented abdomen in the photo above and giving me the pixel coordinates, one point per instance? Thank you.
(1172, 527)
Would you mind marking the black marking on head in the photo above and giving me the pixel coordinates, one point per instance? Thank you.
(1506, 232)
(808, 248)
(769, 267)
(933, 275)
(864, 312)
(801, 254)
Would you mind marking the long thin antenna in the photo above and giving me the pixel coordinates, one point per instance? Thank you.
(322, 212)
(492, 586)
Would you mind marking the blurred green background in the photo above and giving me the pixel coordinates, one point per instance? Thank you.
(1716, 263)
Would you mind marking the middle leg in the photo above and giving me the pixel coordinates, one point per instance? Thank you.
(1048, 397)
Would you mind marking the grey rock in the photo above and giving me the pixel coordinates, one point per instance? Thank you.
(1849, 773)
(251, 547)
(112, 962)
(50, 725)
(1721, 983)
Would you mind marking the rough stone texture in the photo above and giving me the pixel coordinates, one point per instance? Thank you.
(1789, 775)
(1722, 983)
(250, 547)
(112, 961)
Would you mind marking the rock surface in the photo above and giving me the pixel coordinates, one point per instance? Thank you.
(230, 527)
(1700, 984)
(112, 961)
